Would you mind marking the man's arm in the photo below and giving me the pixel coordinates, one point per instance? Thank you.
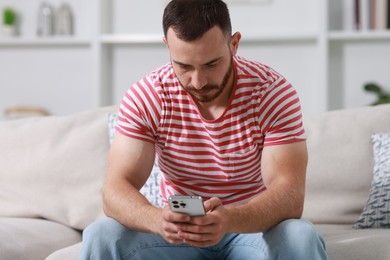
(129, 165)
(130, 162)
(284, 174)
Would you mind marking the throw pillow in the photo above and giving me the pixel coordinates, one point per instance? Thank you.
(151, 189)
(53, 167)
(376, 213)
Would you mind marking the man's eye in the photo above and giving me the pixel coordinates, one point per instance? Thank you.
(212, 65)
(184, 67)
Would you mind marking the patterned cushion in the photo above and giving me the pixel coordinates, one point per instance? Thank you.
(376, 213)
(151, 189)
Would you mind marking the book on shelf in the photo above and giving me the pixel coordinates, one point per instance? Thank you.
(364, 15)
(388, 14)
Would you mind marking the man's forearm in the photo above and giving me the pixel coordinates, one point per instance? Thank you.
(124, 203)
(265, 211)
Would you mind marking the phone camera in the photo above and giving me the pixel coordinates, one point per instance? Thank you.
(183, 205)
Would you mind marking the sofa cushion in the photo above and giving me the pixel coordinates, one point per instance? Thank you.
(340, 164)
(53, 167)
(376, 213)
(344, 242)
(68, 253)
(24, 238)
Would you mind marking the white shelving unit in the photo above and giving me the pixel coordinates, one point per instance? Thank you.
(355, 58)
(116, 43)
(57, 73)
(131, 39)
(359, 36)
(31, 42)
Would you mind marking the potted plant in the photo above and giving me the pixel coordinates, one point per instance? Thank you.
(383, 96)
(9, 21)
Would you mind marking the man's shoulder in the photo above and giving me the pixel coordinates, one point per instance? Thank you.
(253, 66)
(162, 82)
(162, 74)
(255, 71)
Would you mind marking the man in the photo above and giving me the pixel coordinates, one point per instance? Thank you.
(224, 128)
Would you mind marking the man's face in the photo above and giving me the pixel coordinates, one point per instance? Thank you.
(204, 66)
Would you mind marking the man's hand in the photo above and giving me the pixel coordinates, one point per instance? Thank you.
(202, 231)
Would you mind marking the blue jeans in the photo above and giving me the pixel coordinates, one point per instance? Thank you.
(291, 239)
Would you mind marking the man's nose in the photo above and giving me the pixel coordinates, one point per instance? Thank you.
(198, 79)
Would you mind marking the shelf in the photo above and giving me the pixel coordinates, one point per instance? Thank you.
(131, 39)
(45, 42)
(359, 35)
(287, 37)
(157, 38)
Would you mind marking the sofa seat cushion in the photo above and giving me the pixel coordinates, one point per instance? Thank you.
(28, 238)
(67, 253)
(344, 242)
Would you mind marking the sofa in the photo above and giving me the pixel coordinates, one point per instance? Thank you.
(52, 170)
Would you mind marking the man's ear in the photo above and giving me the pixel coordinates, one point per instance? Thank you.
(165, 41)
(234, 42)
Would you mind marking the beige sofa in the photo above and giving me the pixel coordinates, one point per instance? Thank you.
(52, 170)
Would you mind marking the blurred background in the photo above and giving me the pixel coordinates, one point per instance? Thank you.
(63, 56)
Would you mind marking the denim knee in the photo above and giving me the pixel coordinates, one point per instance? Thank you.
(99, 238)
(105, 226)
(304, 229)
(296, 239)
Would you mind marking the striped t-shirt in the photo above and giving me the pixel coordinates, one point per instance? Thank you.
(219, 157)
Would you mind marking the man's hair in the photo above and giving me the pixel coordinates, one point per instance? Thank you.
(190, 19)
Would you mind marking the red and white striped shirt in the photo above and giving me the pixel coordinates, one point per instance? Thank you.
(219, 157)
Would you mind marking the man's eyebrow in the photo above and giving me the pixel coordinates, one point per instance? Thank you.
(207, 63)
(181, 63)
(213, 61)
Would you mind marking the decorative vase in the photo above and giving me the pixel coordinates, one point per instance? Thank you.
(45, 20)
(64, 20)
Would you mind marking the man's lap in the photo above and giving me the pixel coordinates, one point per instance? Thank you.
(123, 243)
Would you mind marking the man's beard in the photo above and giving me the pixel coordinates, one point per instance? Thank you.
(202, 94)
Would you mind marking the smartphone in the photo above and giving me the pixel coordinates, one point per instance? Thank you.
(190, 205)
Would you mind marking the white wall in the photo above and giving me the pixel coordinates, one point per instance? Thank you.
(56, 78)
